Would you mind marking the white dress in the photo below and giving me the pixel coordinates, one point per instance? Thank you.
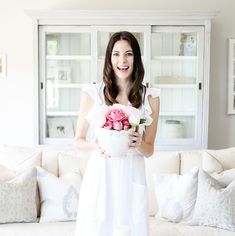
(113, 191)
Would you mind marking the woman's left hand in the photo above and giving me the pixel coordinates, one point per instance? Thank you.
(135, 139)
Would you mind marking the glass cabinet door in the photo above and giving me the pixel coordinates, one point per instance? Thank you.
(65, 65)
(176, 68)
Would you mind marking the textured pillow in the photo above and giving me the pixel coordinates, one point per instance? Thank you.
(215, 203)
(176, 195)
(59, 196)
(17, 198)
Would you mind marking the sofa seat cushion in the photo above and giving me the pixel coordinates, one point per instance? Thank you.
(165, 228)
(38, 229)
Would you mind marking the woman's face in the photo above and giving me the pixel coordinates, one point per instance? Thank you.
(122, 60)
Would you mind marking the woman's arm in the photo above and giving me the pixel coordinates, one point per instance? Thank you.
(145, 144)
(83, 125)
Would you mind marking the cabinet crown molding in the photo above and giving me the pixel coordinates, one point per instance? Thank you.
(100, 17)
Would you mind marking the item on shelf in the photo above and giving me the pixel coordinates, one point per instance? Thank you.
(188, 44)
(173, 129)
(121, 230)
(52, 47)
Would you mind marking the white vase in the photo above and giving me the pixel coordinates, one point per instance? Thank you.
(114, 142)
(121, 230)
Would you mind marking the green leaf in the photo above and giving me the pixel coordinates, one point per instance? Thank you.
(142, 121)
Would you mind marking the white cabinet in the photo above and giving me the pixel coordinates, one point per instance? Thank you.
(175, 49)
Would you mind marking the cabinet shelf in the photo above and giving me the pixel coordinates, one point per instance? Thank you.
(71, 85)
(65, 57)
(176, 86)
(177, 58)
(60, 113)
(177, 114)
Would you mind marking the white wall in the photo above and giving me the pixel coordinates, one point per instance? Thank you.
(17, 104)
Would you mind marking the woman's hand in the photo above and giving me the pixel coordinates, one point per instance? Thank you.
(135, 139)
(100, 150)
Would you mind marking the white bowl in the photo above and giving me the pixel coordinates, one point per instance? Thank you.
(114, 142)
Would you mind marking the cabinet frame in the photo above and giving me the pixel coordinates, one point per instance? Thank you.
(98, 18)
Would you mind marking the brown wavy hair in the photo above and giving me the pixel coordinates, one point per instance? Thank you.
(137, 89)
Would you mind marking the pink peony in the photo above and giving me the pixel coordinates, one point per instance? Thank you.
(108, 124)
(134, 117)
(126, 124)
(117, 125)
(116, 115)
(119, 117)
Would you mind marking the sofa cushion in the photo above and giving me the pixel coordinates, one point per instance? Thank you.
(176, 195)
(18, 160)
(215, 203)
(210, 164)
(6, 174)
(68, 161)
(225, 177)
(159, 163)
(18, 196)
(59, 196)
(159, 227)
(190, 159)
(38, 229)
(226, 157)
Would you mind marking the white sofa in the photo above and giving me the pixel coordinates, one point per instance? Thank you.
(19, 159)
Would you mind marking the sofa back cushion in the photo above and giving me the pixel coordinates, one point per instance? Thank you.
(159, 163)
(204, 159)
(70, 160)
(59, 162)
(226, 157)
(190, 159)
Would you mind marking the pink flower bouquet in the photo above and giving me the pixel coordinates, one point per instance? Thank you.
(116, 123)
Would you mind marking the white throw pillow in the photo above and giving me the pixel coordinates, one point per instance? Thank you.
(176, 195)
(59, 196)
(17, 198)
(215, 203)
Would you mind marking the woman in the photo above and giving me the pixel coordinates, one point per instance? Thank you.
(113, 191)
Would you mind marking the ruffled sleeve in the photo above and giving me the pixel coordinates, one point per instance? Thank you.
(154, 92)
(95, 92)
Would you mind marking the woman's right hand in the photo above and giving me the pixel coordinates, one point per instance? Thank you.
(98, 148)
